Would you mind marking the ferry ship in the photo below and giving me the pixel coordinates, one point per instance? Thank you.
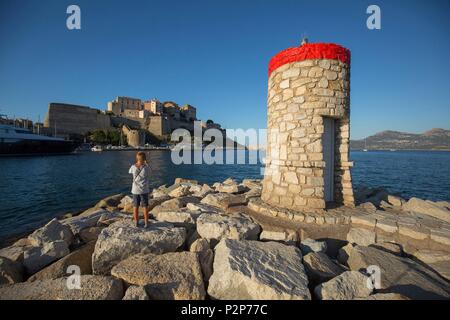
(21, 141)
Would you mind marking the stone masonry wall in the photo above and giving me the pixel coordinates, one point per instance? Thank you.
(300, 95)
(67, 118)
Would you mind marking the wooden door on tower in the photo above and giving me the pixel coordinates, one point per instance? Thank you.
(328, 144)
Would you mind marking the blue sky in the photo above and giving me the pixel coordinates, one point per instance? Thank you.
(213, 54)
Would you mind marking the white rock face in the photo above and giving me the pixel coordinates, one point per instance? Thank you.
(36, 258)
(219, 226)
(203, 208)
(230, 188)
(136, 293)
(180, 191)
(199, 245)
(347, 286)
(174, 204)
(92, 288)
(169, 276)
(311, 245)
(395, 201)
(252, 183)
(127, 200)
(224, 200)
(205, 256)
(14, 252)
(361, 236)
(427, 207)
(400, 274)
(180, 216)
(286, 236)
(52, 231)
(122, 240)
(80, 222)
(258, 270)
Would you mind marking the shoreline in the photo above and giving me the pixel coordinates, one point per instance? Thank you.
(9, 240)
(226, 220)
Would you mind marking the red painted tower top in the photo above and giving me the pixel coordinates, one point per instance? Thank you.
(309, 51)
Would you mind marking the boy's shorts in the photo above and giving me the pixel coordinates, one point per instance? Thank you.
(139, 199)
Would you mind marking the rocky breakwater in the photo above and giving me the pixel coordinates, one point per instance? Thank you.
(208, 242)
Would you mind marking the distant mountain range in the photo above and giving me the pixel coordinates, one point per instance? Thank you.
(435, 139)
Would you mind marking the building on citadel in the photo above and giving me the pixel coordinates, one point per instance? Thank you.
(158, 118)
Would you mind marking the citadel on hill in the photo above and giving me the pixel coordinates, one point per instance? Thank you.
(134, 116)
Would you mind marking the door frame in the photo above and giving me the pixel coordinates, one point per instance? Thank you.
(328, 149)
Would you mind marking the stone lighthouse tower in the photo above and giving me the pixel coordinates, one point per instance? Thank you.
(307, 157)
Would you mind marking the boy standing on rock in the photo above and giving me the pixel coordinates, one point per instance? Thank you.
(140, 188)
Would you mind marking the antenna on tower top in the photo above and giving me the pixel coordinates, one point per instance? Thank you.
(304, 39)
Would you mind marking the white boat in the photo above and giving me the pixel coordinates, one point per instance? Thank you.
(21, 141)
(96, 149)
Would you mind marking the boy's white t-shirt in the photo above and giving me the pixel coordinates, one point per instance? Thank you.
(141, 177)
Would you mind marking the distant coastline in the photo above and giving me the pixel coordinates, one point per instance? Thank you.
(433, 140)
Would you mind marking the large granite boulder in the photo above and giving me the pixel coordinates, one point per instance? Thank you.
(361, 236)
(174, 204)
(185, 181)
(231, 188)
(125, 201)
(395, 201)
(205, 256)
(90, 234)
(203, 208)
(428, 208)
(278, 234)
(219, 226)
(181, 217)
(348, 285)
(439, 261)
(10, 271)
(81, 257)
(203, 192)
(84, 221)
(14, 252)
(311, 245)
(136, 293)
(36, 258)
(224, 200)
(91, 288)
(169, 276)
(180, 191)
(258, 270)
(52, 231)
(320, 268)
(122, 240)
(252, 183)
(400, 275)
(253, 193)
